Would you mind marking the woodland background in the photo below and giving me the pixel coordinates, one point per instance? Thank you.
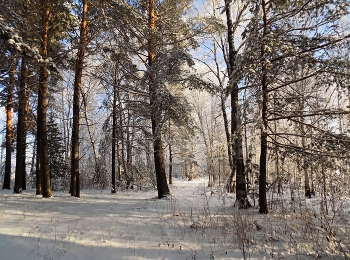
(128, 94)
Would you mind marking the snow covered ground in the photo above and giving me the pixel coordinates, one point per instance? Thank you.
(194, 223)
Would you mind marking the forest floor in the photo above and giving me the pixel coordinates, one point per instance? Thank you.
(195, 222)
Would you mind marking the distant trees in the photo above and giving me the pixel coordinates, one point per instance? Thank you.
(163, 53)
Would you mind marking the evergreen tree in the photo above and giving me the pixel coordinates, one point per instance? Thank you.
(57, 164)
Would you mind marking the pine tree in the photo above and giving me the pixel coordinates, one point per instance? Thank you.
(75, 174)
(9, 100)
(58, 169)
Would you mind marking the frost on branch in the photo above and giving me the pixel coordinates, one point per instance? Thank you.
(12, 41)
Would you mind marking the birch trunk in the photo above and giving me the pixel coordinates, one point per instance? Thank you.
(263, 209)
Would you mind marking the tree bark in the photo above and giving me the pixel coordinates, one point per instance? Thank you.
(278, 175)
(263, 209)
(129, 140)
(92, 141)
(20, 127)
(227, 132)
(25, 130)
(170, 156)
(237, 161)
(75, 174)
(9, 99)
(42, 108)
(230, 67)
(122, 145)
(114, 136)
(162, 185)
(39, 177)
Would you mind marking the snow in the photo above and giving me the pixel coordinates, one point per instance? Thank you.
(195, 222)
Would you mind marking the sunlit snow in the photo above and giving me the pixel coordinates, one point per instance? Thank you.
(194, 223)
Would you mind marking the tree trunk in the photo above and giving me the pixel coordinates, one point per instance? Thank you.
(120, 166)
(312, 180)
(114, 136)
(122, 146)
(170, 156)
(305, 164)
(191, 172)
(25, 130)
(39, 177)
(279, 178)
(162, 185)
(241, 185)
(230, 187)
(324, 204)
(32, 164)
(263, 209)
(20, 127)
(129, 140)
(7, 177)
(97, 176)
(75, 180)
(42, 108)
(236, 123)
(230, 68)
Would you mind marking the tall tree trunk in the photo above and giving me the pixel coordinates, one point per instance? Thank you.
(324, 204)
(305, 166)
(20, 127)
(236, 122)
(98, 176)
(230, 68)
(162, 185)
(170, 156)
(32, 164)
(312, 179)
(75, 180)
(7, 177)
(39, 178)
(25, 130)
(263, 209)
(114, 136)
(20, 167)
(228, 140)
(211, 148)
(42, 108)
(129, 140)
(65, 121)
(122, 142)
(241, 185)
(278, 175)
(38, 172)
(120, 164)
